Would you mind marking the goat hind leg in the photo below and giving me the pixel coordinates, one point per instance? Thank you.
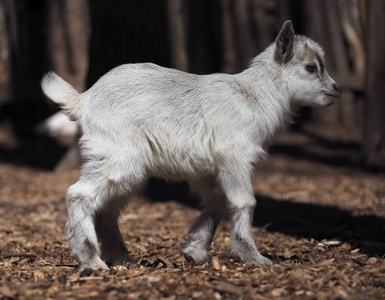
(113, 250)
(81, 206)
(202, 231)
(200, 237)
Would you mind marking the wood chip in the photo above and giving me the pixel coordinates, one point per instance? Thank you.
(7, 292)
(223, 286)
(215, 264)
(165, 260)
(327, 262)
(346, 246)
(373, 260)
(9, 255)
(35, 261)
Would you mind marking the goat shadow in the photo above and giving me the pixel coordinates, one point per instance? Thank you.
(305, 220)
(301, 220)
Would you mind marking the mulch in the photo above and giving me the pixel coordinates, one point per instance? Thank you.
(322, 225)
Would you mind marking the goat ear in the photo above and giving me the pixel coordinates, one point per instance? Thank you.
(284, 42)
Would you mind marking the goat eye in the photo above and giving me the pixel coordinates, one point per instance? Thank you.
(311, 68)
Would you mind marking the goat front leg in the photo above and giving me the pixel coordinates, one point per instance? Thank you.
(201, 233)
(237, 188)
(242, 243)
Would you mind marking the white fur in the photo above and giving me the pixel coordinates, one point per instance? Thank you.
(143, 120)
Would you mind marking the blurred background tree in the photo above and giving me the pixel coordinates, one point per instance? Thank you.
(81, 40)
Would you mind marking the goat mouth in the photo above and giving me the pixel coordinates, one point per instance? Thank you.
(332, 96)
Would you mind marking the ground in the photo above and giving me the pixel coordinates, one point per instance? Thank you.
(320, 218)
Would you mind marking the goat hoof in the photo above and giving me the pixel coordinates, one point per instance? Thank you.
(189, 258)
(193, 255)
(259, 260)
(93, 263)
(121, 261)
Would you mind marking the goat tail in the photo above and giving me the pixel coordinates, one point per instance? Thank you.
(62, 93)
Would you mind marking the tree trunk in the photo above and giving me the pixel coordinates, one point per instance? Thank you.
(264, 37)
(229, 64)
(246, 41)
(319, 31)
(374, 132)
(5, 66)
(179, 58)
(68, 40)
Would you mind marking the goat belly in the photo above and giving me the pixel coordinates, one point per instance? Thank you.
(179, 161)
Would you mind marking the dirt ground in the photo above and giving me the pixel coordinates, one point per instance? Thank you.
(320, 218)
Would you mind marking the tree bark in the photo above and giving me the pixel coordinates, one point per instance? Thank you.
(179, 58)
(68, 40)
(5, 64)
(229, 64)
(374, 132)
(246, 41)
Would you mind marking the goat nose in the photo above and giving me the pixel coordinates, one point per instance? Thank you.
(335, 87)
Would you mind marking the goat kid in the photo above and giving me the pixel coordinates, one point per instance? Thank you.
(143, 120)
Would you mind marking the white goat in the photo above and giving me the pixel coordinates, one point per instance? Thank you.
(143, 120)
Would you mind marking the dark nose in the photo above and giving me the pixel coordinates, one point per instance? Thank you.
(335, 87)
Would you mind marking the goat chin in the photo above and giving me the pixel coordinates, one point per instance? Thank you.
(142, 120)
